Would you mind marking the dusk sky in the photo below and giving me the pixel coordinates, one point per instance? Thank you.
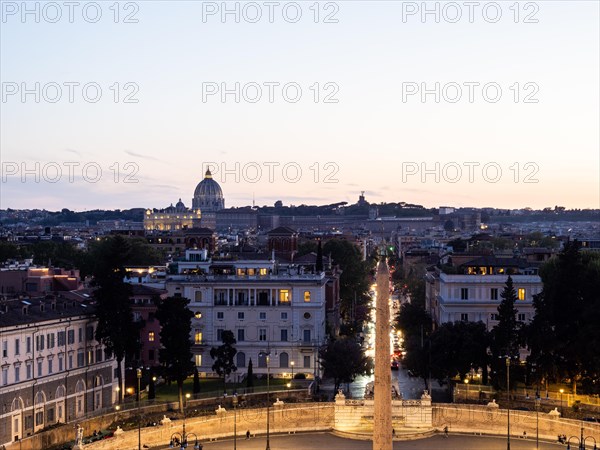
(529, 138)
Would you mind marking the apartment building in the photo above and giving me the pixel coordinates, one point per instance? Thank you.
(272, 308)
(52, 368)
(472, 291)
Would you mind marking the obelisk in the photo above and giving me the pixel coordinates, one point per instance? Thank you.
(382, 425)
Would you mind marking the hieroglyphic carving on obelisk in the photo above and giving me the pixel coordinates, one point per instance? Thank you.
(382, 426)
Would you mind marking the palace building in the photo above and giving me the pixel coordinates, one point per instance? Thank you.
(207, 200)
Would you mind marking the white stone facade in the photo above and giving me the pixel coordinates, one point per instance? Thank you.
(473, 298)
(269, 307)
(52, 370)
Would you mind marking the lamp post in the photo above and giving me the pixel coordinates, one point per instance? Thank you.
(182, 439)
(187, 397)
(508, 404)
(266, 355)
(537, 422)
(581, 440)
(139, 397)
(467, 391)
(561, 402)
(292, 363)
(235, 403)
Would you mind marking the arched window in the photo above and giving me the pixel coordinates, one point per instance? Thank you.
(80, 399)
(240, 359)
(283, 360)
(40, 398)
(39, 401)
(80, 388)
(17, 404)
(262, 360)
(60, 391)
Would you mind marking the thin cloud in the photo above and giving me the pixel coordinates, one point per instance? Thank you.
(75, 152)
(139, 155)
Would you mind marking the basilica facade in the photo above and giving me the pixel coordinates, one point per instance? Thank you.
(207, 200)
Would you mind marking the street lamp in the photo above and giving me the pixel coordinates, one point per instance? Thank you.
(583, 439)
(139, 379)
(467, 391)
(292, 364)
(561, 403)
(266, 355)
(235, 403)
(508, 404)
(182, 440)
(537, 422)
(187, 397)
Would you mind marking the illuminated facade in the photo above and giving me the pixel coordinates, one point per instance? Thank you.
(269, 306)
(173, 218)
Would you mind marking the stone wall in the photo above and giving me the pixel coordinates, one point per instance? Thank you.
(492, 420)
(287, 418)
(293, 417)
(357, 415)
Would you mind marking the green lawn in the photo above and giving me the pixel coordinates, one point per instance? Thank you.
(212, 387)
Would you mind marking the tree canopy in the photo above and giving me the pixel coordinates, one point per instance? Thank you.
(343, 360)
(175, 354)
(116, 328)
(223, 355)
(563, 336)
(458, 347)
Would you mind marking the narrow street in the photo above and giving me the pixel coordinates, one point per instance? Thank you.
(410, 387)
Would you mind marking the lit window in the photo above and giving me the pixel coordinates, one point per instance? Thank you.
(198, 338)
(262, 271)
(198, 360)
(307, 296)
(251, 272)
(151, 336)
(198, 315)
(521, 293)
(284, 296)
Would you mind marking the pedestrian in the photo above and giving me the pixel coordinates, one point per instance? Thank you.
(524, 434)
(446, 431)
(393, 433)
(248, 434)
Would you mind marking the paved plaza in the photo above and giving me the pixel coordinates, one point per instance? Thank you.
(327, 441)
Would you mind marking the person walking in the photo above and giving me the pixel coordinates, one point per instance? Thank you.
(248, 434)
(446, 431)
